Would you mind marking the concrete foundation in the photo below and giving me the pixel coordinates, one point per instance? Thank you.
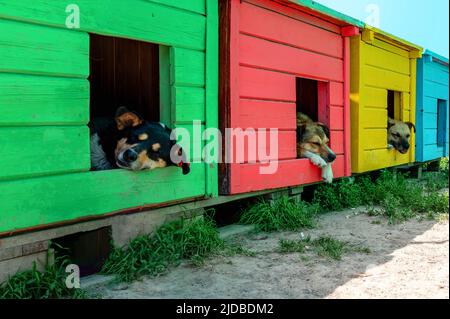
(9, 267)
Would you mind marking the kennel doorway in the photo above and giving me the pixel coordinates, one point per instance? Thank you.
(124, 72)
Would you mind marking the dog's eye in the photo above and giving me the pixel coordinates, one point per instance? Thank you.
(317, 144)
(396, 135)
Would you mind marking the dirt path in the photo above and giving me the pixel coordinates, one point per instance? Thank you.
(409, 260)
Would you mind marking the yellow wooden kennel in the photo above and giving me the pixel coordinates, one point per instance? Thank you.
(383, 82)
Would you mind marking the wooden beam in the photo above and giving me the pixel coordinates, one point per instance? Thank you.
(349, 31)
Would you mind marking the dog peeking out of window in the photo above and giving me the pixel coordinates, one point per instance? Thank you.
(399, 135)
(128, 141)
(312, 142)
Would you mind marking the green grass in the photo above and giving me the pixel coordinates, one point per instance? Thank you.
(192, 240)
(324, 246)
(435, 181)
(330, 247)
(234, 249)
(34, 284)
(292, 246)
(281, 214)
(342, 194)
(400, 198)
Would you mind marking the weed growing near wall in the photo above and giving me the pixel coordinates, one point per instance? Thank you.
(280, 214)
(34, 284)
(192, 240)
(397, 197)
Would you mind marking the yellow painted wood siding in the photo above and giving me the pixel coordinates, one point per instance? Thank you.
(379, 65)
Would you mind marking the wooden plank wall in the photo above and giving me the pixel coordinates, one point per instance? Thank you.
(432, 85)
(44, 102)
(270, 46)
(377, 67)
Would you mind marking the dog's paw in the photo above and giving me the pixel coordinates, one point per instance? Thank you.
(327, 174)
(318, 161)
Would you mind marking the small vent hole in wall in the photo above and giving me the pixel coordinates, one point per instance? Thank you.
(89, 250)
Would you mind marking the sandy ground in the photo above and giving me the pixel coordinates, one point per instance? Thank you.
(408, 260)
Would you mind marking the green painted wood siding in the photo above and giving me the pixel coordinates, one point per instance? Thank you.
(43, 100)
(44, 105)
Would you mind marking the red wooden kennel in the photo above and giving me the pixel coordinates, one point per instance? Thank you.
(278, 57)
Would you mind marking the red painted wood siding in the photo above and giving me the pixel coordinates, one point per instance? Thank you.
(270, 45)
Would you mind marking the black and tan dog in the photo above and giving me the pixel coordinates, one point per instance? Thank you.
(399, 135)
(312, 140)
(128, 141)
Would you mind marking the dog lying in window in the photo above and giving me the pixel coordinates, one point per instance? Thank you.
(399, 135)
(128, 141)
(312, 140)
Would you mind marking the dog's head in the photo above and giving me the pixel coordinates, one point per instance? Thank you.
(399, 134)
(145, 145)
(314, 137)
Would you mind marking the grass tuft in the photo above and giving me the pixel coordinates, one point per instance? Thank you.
(280, 214)
(192, 240)
(34, 284)
(234, 249)
(325, 246)
(339, 195)
(293, 246)
(398, 197)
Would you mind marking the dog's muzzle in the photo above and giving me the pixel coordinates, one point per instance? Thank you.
(330, 156)
(125, 158)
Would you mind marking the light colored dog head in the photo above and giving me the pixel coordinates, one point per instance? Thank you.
(399, 134)
(313, 137)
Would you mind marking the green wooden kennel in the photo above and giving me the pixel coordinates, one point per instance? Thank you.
(46, 101)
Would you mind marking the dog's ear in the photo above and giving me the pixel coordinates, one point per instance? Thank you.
(125, 118)
(390, 122)
(300, 131)
(178, 157)
(184, 164)
(411, 126)
(325, 128)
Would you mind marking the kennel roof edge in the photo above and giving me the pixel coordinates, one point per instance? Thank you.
(386, 36)
(436, 56)
(341, 17)
(328, 12)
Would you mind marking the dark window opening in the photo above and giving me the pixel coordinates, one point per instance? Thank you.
(88, 250)
(312, 100)
(124, 72)
(441, 122)
(307, 100)
(394, 105)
